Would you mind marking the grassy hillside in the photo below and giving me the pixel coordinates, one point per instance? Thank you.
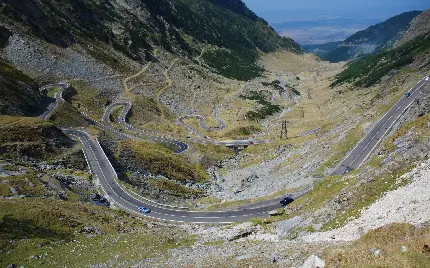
(158, 160)
(26, 137)
(370, 69)
(51, 233)
(373, 39)
(398, 235)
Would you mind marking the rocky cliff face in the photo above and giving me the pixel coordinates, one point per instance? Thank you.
(419, 26)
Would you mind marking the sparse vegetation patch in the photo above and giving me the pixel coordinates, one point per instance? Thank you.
(266, 108)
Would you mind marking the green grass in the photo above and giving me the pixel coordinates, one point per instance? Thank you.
(93, 100)
(174, 188)
(67, 116)
(367, 71)
(144, 109)
(217, 243)
(71, 172)
(245, 131)
(116, 112)
(159, 160)
(14, 74)
(56, 225)
(265, 108)
(14, 121)
(22, 184)
(418, 126)
(52, 91)
(30, 137)
(389, 239)
(321, 193)
(10, 167)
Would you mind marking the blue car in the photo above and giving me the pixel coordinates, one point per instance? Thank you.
(407, 95)
(144, 210)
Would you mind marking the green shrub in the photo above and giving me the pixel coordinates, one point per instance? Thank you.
(266, 108)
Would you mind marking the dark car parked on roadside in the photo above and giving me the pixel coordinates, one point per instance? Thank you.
(287, 200)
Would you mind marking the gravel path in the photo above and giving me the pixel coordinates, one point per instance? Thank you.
(410, 204)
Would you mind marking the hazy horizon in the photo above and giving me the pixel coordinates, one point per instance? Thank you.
(314, 21)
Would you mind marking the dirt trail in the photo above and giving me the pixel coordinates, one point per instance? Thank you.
(126, 80)
(169, 82)
(127, 90)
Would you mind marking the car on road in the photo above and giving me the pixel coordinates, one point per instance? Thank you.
(347, 170)
(287, 200)
(144, 210)
(407, 94)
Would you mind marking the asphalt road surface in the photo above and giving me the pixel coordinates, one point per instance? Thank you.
(365, 147)
(58, 99)
(101, 167)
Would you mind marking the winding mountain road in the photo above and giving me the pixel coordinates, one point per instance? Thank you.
(182, 146)
(100, 166)
(58, 99)
(202, 121)
(222, 126)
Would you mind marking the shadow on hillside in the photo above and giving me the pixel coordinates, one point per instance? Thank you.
(11, 228)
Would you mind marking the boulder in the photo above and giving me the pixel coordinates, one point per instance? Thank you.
(90, 230)
(313, 262)
(276, 212)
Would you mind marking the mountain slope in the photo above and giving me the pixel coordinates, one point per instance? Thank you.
(321, 49)
(136, 28)
(369, 70)
(19, 94)
(419, 25)
(375, 38)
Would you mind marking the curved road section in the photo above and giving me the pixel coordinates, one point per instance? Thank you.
(202, 121)
(365, 147)
(102, 168)
(182, 146)
(222, 126)
(100, 165)
(58, 99)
